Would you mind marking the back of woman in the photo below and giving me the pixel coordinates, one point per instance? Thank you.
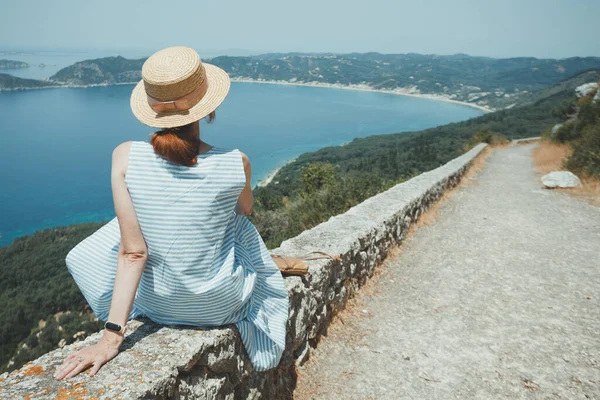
(187, 216)
(179, 251)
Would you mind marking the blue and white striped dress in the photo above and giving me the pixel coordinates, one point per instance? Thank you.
(207, 266)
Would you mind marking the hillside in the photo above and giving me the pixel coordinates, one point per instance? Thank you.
(101, 71)
(487, 82)
(34, 282)
(11, 64)
(9, 82)
(580, 129)
(496, 83)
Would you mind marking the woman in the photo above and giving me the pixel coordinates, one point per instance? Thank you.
(180, 250)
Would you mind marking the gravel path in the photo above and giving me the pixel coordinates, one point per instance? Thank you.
(498, 298)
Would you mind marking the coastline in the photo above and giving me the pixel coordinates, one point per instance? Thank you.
(269, 177)
(366, 88)
(357, 87)
(66, 86)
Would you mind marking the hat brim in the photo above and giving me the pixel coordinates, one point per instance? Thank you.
(218, 87)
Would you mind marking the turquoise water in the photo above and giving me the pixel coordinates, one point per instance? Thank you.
(56, 144)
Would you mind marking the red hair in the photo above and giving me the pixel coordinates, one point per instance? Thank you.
(179, 145)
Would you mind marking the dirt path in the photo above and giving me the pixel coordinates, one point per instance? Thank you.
(499, 298)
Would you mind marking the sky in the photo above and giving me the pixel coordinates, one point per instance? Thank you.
(508, 28)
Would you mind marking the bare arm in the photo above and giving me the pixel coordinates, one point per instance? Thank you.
(246, 200)
(131, 262)
(133, 252)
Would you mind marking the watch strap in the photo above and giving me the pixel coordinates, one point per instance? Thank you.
(111, 326)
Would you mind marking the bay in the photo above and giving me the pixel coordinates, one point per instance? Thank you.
(56, 144)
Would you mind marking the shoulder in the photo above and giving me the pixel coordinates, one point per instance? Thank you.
(120, 155)
(232, 153)
(122, 149)
(247, 166)
(245, 159)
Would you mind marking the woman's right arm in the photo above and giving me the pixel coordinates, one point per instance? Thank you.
(246, 200)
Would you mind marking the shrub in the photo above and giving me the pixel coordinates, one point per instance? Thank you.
(586, 152)
(582, 133)
(311, 208)
(565, 110)
(316, 176)
(567, 132)
(485, 135)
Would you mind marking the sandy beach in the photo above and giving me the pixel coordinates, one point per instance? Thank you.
(269, 178)
(360, 87)
(366, 88)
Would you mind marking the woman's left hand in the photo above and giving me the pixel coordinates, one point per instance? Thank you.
(95, 355)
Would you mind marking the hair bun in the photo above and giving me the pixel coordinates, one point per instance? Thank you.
(179, 145)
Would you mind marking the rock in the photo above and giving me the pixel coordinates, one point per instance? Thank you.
(563, 179)
(585, 89)
(596, 97)
(555, 129)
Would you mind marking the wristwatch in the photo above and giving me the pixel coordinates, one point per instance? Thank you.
(111, 326)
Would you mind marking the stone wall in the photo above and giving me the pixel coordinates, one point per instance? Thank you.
(158, 362)
(526, 140)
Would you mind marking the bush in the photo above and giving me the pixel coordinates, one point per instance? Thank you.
(567, 132)
(311, 208)
(316, 176)
(485, 135)
(547, 133)
(586, 153)
(565, 110)
(582, 132)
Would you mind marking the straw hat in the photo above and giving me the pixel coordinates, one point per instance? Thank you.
(177, 88)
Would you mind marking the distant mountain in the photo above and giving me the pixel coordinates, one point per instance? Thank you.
(496, 83)
(489, 82)
(11, 64)
(101, 71)
(9, 82)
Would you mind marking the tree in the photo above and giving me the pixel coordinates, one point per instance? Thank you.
(317, 175)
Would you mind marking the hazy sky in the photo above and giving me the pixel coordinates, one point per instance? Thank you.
(540, 28)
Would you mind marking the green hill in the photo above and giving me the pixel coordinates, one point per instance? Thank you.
(485, 81)
(101, 71)
(9, 82)
(11, 64)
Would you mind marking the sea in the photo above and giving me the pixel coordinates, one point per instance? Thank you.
(56, 144)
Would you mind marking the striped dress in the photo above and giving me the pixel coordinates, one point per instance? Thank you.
(207, 266)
